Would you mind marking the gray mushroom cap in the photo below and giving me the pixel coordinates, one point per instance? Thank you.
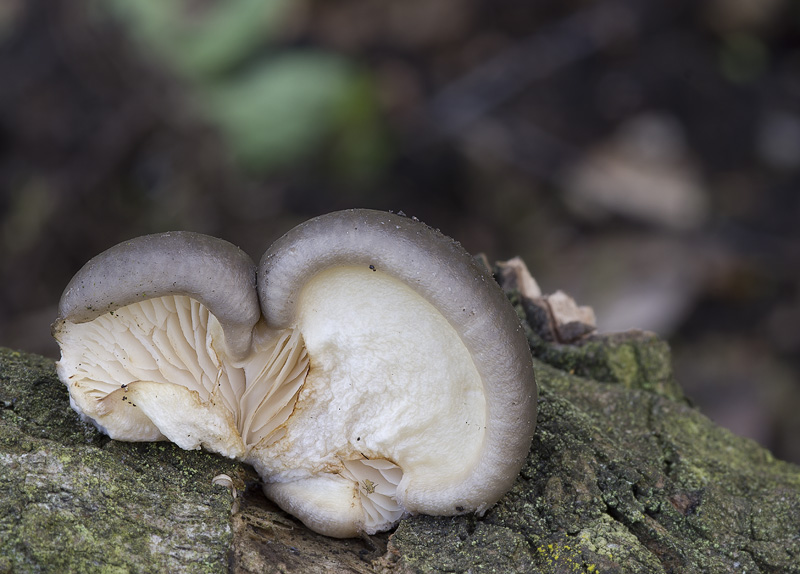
(439, 270)
(153, 333)
(212, 271)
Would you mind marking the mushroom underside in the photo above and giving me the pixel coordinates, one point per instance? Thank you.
(389, 379)
(158, 369)
(361, 498)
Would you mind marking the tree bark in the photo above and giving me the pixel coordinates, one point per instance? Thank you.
(624, 476)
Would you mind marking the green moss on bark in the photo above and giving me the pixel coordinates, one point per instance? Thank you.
(624, 476)
(71, 500)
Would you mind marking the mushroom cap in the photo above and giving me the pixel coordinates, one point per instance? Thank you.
(340, 246)
(149, 332)
(212, 271)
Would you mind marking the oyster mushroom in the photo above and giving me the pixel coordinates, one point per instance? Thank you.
(420, 397)
(385, 373)
(160, 339)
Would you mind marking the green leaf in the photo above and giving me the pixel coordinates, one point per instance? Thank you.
(199, 38)
(284, 108)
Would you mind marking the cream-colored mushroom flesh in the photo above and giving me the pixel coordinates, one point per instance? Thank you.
(418, 363)
(390, 380)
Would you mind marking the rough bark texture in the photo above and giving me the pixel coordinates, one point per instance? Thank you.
(624, 476)
(72, 500)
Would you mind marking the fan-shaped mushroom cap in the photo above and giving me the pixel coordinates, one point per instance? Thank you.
(146, 329)
(209, 270)
(417, 359)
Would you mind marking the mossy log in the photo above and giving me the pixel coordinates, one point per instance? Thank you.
(624, 476)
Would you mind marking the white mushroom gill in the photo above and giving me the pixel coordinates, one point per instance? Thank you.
(275, 373)
(377, 488)
(172, 378)
(360, 498)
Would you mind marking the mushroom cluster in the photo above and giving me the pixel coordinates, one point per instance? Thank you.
(368, 368)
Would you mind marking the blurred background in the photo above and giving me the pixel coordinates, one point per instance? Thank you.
(642, 156)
